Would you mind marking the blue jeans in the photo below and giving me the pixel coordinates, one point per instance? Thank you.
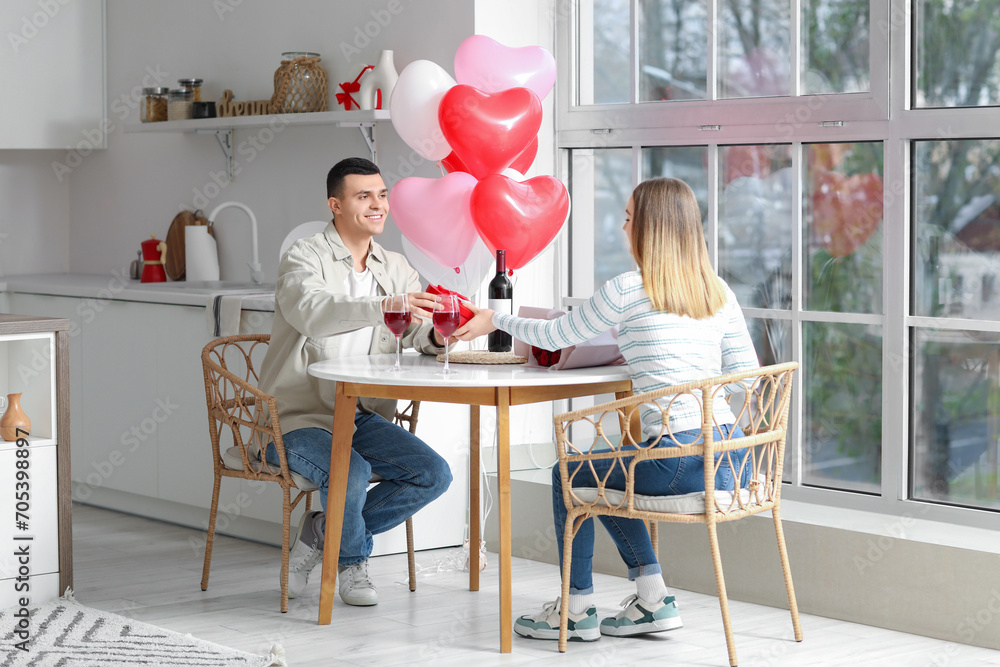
(660, 477)
(413, 475)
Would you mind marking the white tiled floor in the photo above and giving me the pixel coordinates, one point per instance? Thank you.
(151, 571)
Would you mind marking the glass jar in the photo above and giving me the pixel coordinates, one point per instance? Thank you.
(181, 104)
(154, 105)
(194, 85)
(300, 84)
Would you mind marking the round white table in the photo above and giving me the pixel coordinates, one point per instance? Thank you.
(475, 385)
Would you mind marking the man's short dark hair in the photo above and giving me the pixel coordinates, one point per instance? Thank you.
(344, 168)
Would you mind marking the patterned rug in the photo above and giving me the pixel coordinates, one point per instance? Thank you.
(64, 633)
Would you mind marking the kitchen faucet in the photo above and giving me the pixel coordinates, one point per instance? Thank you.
(256, 275)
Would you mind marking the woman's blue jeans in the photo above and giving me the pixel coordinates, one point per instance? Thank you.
(660, 477)
(413, 475)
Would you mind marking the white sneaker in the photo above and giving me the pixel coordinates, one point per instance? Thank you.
(304, 556)
(356, 588)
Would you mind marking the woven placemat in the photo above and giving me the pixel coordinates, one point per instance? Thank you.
(483, 357)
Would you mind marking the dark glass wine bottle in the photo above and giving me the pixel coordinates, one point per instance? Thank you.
(500, 300)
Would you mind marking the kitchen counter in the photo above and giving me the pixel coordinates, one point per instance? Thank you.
(117, 287)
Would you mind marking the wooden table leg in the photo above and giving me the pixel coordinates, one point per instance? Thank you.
(503, 513)
(340, 463)
(474, 477)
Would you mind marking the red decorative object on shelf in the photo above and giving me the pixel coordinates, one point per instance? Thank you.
(350, 87)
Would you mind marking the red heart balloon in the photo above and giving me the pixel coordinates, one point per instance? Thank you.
(488, 131)
(521, 218)
(520, 164)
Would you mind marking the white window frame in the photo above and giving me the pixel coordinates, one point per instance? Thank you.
(883, 114)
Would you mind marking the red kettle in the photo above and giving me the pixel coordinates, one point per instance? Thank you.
(154, 255)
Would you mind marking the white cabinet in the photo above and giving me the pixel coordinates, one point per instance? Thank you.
(36, 534)
(52, 68)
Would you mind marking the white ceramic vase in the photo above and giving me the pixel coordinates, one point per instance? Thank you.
(383, 78)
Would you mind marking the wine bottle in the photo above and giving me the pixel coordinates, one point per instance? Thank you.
(500, 300)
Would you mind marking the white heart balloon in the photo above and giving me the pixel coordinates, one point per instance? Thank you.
(469, 277)
(414, 104)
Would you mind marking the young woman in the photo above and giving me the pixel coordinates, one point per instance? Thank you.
(678, 322)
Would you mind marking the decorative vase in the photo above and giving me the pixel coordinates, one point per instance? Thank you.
(14, 419)
(382, 79)
(300, 84)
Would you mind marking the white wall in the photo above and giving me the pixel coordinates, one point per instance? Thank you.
(120, 196)
(34, 214)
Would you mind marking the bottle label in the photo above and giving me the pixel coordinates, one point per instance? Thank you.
(501, 306)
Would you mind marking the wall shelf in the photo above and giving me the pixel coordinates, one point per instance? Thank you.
(222, 128)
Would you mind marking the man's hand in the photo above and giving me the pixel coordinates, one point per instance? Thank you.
(422, 305)
(480, 324)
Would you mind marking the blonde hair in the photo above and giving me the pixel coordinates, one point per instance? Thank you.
(669, 246)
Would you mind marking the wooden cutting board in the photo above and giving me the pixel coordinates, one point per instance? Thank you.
(175, 242)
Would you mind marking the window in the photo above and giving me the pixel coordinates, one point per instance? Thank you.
(861, 238)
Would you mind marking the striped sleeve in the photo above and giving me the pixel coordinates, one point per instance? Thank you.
(599, 314)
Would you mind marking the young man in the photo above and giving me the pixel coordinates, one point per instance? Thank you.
(328, 304)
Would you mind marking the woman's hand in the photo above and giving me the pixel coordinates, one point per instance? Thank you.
(479, 325)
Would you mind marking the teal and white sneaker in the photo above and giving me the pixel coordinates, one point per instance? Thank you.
(545, 624)
(640, 617)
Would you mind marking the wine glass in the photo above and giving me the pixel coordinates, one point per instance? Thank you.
(446, 319)
(397, 317)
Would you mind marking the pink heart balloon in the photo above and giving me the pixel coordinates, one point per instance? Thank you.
(491, 67)
(435, 215)
(521, 218)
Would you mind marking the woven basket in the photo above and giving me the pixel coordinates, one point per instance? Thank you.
(483, 357)
(300, 85)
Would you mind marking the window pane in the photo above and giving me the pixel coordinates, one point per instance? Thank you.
(673, 46)
(613, 186)
(772, 339)
(842, 397)
(956, 255)
(835, 45)
(605, 75)
(688, 163)
(754, 51)
(843, 227)
(956, 416)
(957, 52)
(755, 224)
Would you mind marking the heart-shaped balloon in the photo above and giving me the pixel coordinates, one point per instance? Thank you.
(521, 218)
(467, 278)
(414, 104)
(488, 131)
(436, 216)
(520, 164)
(490, 66)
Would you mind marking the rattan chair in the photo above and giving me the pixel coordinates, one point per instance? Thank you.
(231, 367)
(760, 401)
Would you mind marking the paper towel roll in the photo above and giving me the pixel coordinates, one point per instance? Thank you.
(201, 255)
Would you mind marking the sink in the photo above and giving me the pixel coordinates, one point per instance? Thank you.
(209, 286)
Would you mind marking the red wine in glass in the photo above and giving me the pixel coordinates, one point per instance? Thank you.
(397, 322)
(446, 322)
(446, 318)
(397, 318)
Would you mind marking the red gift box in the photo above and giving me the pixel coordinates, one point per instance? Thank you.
(464, 313)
